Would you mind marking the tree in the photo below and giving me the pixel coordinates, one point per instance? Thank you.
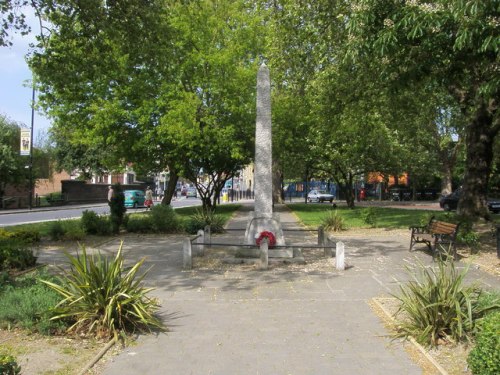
(12, 165)
(164, 85)
(450, 45)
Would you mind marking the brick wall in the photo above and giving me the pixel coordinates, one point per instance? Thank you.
(45, 186)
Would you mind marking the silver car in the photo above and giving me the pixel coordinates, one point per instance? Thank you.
(319, 196)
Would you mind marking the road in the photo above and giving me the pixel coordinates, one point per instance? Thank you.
(38, 215)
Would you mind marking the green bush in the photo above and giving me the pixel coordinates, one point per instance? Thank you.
(201, 218)
(15, 254)
(139, 224)
(28, 236)
(484, 359)
(8, 365)
(438, 305)
(26, 303)
(333, 221)
(56, 230)
(92, 223)
(102, 297)
(369, 216)
(73, 230)
(117, 208)
(164, 219)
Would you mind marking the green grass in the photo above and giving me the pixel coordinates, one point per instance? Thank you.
(312, 215)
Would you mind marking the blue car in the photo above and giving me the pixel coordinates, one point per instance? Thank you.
(134, 198)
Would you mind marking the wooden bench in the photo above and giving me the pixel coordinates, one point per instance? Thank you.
(439, 236)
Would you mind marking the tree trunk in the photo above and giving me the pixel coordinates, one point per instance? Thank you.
(446, 177)
(172, 185)
(480, 136)
(277, 182)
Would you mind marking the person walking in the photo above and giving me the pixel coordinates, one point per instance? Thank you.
(149, 198)
(111, 193)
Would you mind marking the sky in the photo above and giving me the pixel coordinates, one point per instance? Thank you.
(15, 78)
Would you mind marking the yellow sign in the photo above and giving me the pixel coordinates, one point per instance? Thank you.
(25, 141)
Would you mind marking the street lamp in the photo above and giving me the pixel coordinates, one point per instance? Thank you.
(30, 200)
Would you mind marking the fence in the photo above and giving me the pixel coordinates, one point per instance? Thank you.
(203, 240)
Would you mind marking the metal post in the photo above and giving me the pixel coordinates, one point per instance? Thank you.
(30, 200)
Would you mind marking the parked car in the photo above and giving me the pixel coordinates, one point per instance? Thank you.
(191, 192)
(399, 193)
(319, 196)
(134, 198)
(450, 202)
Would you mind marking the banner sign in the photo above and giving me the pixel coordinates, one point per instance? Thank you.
(25, 141)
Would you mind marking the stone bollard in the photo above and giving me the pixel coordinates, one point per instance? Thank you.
(264, 254)
(200, 241)
(339, 257)
(323, 241)
(208, 234)
(187, 254)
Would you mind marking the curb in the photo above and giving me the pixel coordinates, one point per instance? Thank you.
(420, 348)
(98, 356)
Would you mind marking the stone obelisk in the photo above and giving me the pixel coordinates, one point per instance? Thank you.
(263, 147)
(263, 218)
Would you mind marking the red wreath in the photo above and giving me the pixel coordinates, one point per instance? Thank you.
(271, 240)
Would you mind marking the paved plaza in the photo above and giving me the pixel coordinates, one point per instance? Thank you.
(239, 320)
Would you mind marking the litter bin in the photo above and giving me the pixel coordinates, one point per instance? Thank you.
(225, 197)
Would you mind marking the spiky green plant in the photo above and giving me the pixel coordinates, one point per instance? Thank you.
(333, 221)
(201, 218)
(438, 305)
(102, 297)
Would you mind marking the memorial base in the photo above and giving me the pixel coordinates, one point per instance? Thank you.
(257, 225)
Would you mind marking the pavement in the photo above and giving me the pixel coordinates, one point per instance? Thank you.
(239, 320)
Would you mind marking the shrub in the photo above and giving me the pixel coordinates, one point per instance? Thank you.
(73, 230)
(56, 230)
(15, 254)
(369, 216)
(26, 303)
(438, 304)
(117, 208)
(470, 238)
(484, 359)
(333, 221)
(90, 222)
(139, 224)
(28, 236)
(8, 365)
(164, 219)
(201, 218)
(102, 297)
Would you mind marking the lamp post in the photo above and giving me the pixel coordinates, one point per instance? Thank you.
(30, 200)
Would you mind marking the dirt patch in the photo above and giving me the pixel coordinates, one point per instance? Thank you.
(37, 354)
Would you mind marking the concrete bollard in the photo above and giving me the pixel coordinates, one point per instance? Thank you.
(339, 258)
(264, 254)
(187, 254)
(200, 241)
(323, 241)
(208, 234)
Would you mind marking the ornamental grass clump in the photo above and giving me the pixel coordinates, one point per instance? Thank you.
(333, 221)
(203, 217)
(102, 298)
(437, 305)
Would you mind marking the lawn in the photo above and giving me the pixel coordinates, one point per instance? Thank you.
(312, 215)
